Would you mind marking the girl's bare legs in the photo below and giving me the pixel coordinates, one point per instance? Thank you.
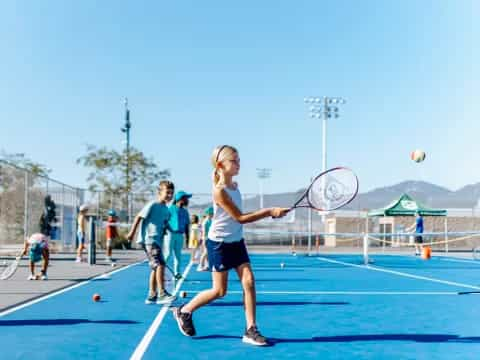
(247, 279)
(218, 290)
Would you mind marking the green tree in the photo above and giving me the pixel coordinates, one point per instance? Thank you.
(108, 172)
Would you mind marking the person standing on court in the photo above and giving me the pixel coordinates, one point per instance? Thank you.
(226, 247)
(151, 223)
(178, 231)
(81, 231)
(418, 226)
(207, 222)
(111, 233)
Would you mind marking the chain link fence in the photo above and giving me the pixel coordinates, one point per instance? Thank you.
(22, 202)
(23, 195)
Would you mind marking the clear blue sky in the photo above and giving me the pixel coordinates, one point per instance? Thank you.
(198, 74)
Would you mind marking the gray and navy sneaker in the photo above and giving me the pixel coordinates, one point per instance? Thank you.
(165, 298)
(151, 299)
(184, 321)
(252, 336)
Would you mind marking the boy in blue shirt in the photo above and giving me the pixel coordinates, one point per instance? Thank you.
(152, 220)
(178, 228)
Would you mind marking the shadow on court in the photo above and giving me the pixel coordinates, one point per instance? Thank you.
(421, 338)
(55, 322)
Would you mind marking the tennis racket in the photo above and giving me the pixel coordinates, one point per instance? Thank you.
(330, 190)
(11, 268)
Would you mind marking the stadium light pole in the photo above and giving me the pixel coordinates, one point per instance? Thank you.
(262, 174)
(126, 129)
(322, 108)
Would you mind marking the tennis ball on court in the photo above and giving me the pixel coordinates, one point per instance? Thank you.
(183, 294)
(96, 297)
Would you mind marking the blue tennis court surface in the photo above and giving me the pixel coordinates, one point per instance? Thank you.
(323, 307)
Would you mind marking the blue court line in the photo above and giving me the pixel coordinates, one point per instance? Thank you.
(451, 259)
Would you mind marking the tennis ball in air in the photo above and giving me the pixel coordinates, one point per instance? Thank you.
(417, 155)
(183, 294)
(96, 297)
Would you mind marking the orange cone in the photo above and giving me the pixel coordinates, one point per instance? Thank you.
(426, 253)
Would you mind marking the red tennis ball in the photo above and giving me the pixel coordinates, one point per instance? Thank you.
(96, 297)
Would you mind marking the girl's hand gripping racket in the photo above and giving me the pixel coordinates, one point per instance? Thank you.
(330, 190)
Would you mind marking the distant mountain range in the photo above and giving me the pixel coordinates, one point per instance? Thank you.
(428, 194)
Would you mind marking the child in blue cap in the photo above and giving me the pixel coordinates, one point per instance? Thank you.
(178, 230)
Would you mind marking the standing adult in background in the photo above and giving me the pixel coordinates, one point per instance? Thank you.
(178, 230)
(418, 226)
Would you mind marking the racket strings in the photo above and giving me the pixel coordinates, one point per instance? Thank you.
(332, 190)
(9, 270)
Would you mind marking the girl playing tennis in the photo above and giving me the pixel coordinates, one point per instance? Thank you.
(226, 247)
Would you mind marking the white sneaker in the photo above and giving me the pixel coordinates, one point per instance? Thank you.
(31, 277)
(78, 260)
(44, 277)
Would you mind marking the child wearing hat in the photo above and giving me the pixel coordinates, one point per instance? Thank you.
(178, 230)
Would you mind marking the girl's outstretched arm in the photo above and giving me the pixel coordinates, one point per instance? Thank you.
(223, 199)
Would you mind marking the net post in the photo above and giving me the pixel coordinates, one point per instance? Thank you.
(446, 235)
(365, 249)
(92, 245)
(25, 210)
(309, 240)
(293, 243)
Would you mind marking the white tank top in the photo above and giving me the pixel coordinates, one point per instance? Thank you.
(224, 228)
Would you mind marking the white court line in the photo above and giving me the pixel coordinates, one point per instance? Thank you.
(345, 292)
(147, 338)
(418, 277)
(29, 303)
(461, 261)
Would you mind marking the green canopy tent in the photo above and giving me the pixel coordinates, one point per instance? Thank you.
(405, 205)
